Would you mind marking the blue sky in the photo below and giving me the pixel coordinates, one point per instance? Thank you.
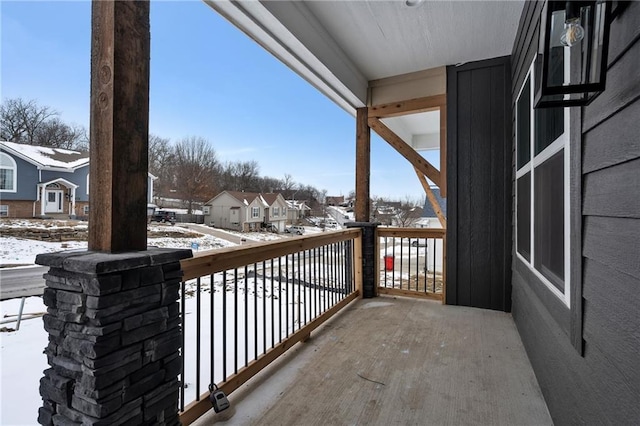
(208, 79)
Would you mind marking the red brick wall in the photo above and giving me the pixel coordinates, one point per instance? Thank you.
(20, 209)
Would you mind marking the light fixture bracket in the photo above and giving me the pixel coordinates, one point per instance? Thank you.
(572, 76)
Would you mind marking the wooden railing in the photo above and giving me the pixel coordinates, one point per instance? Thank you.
(243, 307)
(412, 262)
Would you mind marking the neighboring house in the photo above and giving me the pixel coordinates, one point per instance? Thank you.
(334, 201)
(38, 181)
(246, 211)
(297, 210)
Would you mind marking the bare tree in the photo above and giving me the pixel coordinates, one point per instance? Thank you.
(20, 120)
(160, 164)
(56, 134)
(408, 213)
(195, 167)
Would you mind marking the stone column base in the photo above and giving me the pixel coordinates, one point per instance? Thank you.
(114, 338)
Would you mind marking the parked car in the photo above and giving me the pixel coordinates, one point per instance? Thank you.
(164, 216)
(294, 230)
(419, 242)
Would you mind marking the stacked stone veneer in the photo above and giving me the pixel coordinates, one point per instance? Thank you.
(114, 338)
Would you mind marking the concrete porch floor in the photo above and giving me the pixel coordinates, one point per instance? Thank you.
(398, 361)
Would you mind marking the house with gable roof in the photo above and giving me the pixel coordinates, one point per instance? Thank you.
(38, 181)
(246, 211)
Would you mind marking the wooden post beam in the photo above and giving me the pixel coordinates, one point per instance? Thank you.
(363, 166)
(411, 106)
(416, 160)
(432, 199)
(119, 125)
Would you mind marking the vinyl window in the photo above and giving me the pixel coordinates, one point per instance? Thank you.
(542, 182)
(8, 171)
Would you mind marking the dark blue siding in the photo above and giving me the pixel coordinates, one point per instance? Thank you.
(587, 358)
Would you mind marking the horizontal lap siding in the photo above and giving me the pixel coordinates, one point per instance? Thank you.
(602, 386)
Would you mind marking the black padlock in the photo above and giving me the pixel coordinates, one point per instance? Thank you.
(218, 399)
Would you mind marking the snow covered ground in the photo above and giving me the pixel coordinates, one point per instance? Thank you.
(21, 352)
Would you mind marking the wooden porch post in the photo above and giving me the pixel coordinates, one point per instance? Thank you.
(119, 125)
(363, 165)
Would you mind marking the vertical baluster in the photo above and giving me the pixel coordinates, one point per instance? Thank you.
(235, 323)
(198, 339)
(279, 299)
(246, 314)
(305, 260)
(286, 265)
(434, 265)
(211, 325)
(183, 324)
(299, 301)
(224, 325)
(255, 311)
(393, 270)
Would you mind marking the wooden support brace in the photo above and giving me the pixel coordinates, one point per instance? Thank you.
(432, 199)
(416, 160)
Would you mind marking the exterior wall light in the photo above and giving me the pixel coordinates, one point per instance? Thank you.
(571, 66)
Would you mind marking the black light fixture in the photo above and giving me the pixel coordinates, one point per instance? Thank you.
(571, 66)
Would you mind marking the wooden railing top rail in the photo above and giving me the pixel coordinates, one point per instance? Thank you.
(412, 232)
(210, 262)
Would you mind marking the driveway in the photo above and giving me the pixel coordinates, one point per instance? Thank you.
(214, 232)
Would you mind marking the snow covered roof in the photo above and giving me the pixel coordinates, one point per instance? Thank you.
(46, 157)
(298, 205)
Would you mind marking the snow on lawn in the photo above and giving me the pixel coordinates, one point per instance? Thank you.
(21, 352)
(22, 362)
(21, 251)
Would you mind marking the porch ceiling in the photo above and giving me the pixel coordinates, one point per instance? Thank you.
(341, 46)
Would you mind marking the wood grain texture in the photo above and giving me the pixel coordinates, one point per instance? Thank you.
(614, 191)
(625, 28)
(623, 88)
(614, 242)
(451, 297)
(399, 361)
(526, 45)
(432, 199)
(404, 149)
(614, 141)
(205, 263)
(411, 232)
(119, 126)
(411, 106)
(443, 151)
(578, 390)
(575, 231)
(363, 166)
(480, 153)
(198, 408)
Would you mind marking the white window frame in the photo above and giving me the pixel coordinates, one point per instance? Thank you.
(255, 212)
(4, 210)
(14, 170)
(562, 142)
(85, 209)
(205, 210)
(276, 211)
